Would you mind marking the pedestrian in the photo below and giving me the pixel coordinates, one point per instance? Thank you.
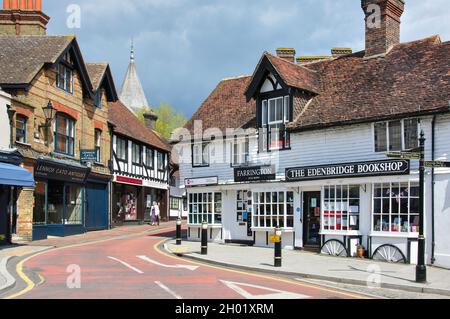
(155, 214)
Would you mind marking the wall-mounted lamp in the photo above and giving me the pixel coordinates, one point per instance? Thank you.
(49, 114)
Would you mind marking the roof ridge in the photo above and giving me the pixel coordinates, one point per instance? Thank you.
(235, 77)
(291, 63)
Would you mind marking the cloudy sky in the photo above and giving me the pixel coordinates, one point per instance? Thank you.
(185, 47)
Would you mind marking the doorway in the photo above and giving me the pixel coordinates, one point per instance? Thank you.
(311, 219)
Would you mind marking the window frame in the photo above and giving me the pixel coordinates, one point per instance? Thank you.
(98, 144)
(98, 97)
(216, 208)
(70, 127)
(23, 130)
(388, 133)
(268, 201)
(65, 82)
(152, 153)
(243, 146)
(134, 144)
(205, 154)
(161, 161)
(125, 144)
(277, 126)
(392, 215)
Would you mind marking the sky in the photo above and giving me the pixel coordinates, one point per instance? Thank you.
(184, 48)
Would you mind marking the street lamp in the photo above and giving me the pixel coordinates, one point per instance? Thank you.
(421, 269)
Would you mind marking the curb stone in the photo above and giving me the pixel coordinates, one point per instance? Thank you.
(426, 290)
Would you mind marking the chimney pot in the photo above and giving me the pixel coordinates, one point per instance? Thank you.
(336, 52)
(287, 54)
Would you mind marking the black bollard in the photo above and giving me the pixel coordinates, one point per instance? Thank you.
(179, 231)
(278, 257)
(204, 238)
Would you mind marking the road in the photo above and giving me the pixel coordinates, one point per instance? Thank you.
(135, 268)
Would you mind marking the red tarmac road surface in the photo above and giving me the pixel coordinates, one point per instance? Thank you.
(133, 268)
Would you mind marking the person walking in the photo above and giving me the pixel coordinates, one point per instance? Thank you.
(155, 214)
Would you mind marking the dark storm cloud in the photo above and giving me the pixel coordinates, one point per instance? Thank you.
(184, 47)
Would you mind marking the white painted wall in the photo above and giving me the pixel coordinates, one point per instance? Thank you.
(5, 133)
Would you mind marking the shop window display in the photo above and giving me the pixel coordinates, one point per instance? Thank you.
(74, 205)
(55, 201)
(130, 206)
(396, 207)
(341, 206)
(241, 205)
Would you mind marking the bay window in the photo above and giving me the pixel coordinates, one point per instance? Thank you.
(64, 135)
(395, 207)
(396, 135)
(205, 207)
(272, 209)
(275, 114)
(341, 207)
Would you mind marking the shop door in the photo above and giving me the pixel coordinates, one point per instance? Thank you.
(97, 206)
(311, 218)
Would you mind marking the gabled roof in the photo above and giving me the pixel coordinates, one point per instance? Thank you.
(226, 107)
(101, 76)
(413, 78)
(127, 124)
(291, 74)
(22, 57)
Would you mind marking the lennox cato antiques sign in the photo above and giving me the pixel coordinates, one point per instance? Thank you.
(60, 172)
(255, 173)
(361, 169)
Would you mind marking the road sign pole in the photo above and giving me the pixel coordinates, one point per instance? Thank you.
(421, 270)
(278, 251)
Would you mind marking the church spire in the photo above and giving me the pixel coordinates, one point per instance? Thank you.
(132, 93)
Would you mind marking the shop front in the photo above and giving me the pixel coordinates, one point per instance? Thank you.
(369, 208)
(13, 179)
(133, 198)
(59, 198)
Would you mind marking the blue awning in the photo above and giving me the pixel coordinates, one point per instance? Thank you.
(13, 175)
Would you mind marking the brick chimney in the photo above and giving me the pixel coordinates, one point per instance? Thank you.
(23, 17)
(382, 24)
(150, 119)
(287, 54)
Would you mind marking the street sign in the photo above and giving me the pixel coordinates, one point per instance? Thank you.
(88, 155)
(437, 164)
(404, 155)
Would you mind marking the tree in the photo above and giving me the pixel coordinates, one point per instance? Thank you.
(169, 119)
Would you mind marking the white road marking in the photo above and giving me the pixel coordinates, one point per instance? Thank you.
(276, 294)
(168, 290)
(127, 265)
(145, 258)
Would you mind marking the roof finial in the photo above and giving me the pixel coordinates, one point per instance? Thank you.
(132, 50)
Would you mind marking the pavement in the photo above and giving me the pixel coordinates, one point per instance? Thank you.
(302, 264)
(23, 249)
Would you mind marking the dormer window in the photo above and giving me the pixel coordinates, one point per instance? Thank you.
(275, 114)
(98, 99)
(64, 78)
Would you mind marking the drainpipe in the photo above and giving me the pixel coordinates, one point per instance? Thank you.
(433, 149)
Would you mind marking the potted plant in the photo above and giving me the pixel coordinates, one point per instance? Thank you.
(361, 251)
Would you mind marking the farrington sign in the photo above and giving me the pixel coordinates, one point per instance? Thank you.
(376, 168)
(255, 173)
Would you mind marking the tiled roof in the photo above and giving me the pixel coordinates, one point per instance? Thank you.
(96, 72)
(413, 78)
(22, 57)
(295, 75)
(127, 124)
(226, 107)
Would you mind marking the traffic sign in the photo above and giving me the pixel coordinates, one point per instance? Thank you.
(404, 155)
(437, 164)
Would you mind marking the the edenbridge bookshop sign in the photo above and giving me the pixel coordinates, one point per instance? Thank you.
(348, 170)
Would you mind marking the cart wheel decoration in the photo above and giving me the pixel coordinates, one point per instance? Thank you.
(389, 253)
(334, 247)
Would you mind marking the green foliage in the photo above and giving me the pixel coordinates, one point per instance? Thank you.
(169, 119)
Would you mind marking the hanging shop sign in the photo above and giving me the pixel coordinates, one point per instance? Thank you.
(436, 164)
(254, 173)
(348, 170)
(202, 181)
(60, 172)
